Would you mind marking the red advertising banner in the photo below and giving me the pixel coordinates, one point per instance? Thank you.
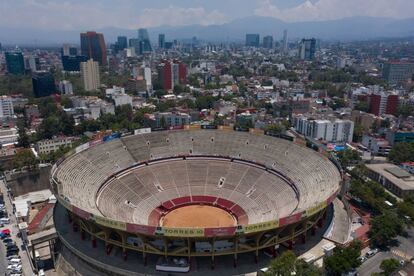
(142, 229)
(95, 143)
(219, 232)
(81, 213)
(331, 198)
(290, 219)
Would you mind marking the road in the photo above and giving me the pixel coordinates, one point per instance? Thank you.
(404, 251)
(27, 269)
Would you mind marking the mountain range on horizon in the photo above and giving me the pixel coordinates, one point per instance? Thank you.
(352, 28)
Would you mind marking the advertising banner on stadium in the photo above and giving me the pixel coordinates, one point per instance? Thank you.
(262, 226)
(141, 229)
(313, 210)
(194, 127)
(290, 219)
(226, 128)
(110, 223)
(95, 143)
(183, 232)
(331, 198)
(142, 131)
(111, 137)
(82, 147)
(81, 213)
(219, 232)
(256, 131)
(208, 127)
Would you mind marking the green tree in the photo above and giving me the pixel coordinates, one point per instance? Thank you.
(388, 266)
(24, 158)
(348, 157)
(344, 259)
(384, 229)
(402, 152)
(284, 265)
(287, 264)
(275, 128)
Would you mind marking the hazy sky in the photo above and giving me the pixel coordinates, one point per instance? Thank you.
(87, 14)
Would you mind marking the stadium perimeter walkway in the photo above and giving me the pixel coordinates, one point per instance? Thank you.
(199, 266)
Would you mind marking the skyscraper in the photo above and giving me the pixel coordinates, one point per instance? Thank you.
(122, 43)
(268, 42)
(252, 40)
(285, 42)
(144, 38)
(15, 62)
(93, 46)
(69, 50)
(161, 41)
(172, 73)
(43, 84)
(90, 75)
(307, 49)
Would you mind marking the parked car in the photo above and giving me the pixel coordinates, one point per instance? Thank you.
(12, 253)
(7, 240)
(371, 253)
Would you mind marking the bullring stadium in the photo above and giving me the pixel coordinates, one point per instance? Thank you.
(195, 192)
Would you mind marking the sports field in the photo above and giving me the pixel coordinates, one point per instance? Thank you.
(198, 216)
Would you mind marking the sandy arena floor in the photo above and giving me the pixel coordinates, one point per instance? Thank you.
(198, 216)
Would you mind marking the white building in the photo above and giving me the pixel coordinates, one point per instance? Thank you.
(327, 130)
(90, 75)
(48, 146)
(65, 87)
(8, 135)
(119, 96)
(6, 107)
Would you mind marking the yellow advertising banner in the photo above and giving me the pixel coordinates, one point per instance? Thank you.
(313, 210)
(110, 223)
(195, 127)
(183, 232)
(226, 128)
(256, 131)
(262, 226)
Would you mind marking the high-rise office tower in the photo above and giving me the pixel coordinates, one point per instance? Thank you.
(69, 50)
(268, 42)
(172, 73)
(43, 84)
(32, 63)
(307, 49)
(252, 40)
(93, 46)
(161, 41)
(144, 38)
(90, 75)
(398, 72)
(122, 43)
(285, 42)
(15, 62)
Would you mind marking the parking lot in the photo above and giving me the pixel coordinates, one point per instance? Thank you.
(13, 257)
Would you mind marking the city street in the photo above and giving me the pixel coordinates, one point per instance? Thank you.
(27, 269)
(405, 251)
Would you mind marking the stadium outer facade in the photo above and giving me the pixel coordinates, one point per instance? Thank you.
(253, 237)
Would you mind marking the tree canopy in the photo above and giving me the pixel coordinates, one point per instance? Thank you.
(287, 263)
(344, 259)
(402, 152)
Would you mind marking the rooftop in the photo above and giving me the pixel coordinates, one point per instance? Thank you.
(393, 173)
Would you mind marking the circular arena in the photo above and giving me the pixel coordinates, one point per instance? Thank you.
(195, 192)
